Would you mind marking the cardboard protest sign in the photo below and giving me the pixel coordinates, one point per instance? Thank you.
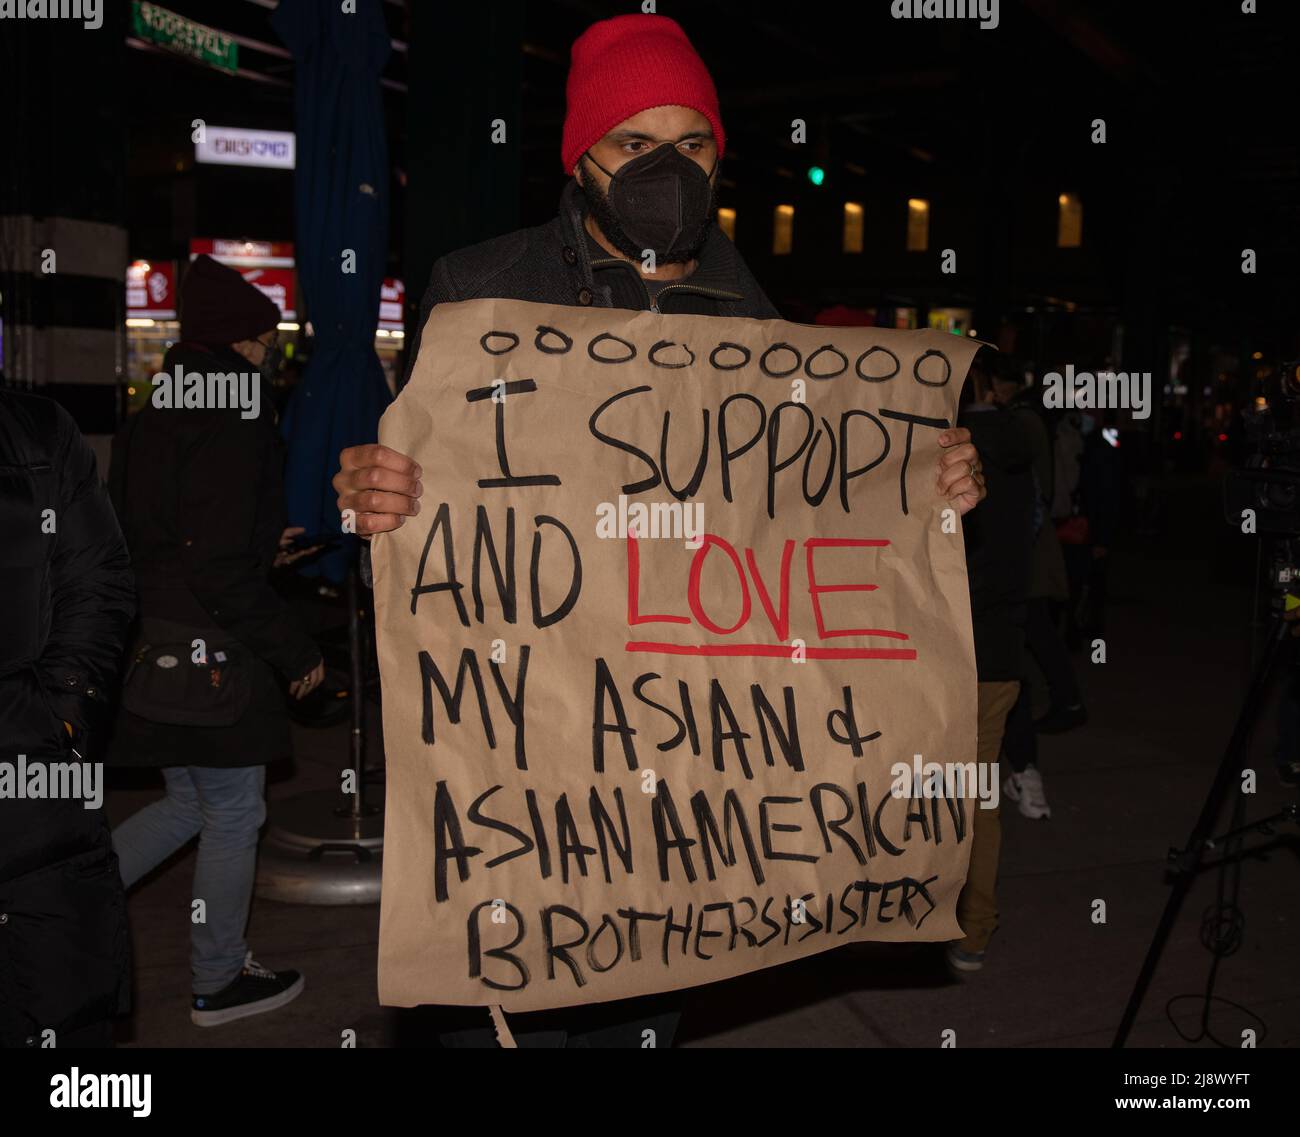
(681, 594)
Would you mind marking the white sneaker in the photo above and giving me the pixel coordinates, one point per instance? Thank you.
(1026, 789)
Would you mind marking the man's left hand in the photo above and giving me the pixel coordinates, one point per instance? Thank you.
(961, 480)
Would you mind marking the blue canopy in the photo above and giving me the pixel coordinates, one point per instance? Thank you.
(341, 201)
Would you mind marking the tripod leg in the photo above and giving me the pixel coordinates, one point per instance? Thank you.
(1190, 858)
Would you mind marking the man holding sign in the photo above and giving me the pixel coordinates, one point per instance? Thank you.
(682, 787)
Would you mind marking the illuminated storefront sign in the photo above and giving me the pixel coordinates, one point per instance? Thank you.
(232, 146)
(392, 297)
(151, 290)
(267, 265)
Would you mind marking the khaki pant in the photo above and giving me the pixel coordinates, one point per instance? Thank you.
(977, 907)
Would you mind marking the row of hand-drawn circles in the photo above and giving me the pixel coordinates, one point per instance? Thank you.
(566, 343)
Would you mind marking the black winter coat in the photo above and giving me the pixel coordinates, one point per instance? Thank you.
(65, 607)
(201, 496)
(999, 537)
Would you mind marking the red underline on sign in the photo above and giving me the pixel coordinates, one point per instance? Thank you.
(775, 650)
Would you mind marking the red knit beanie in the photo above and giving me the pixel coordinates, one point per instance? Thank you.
(628, 64)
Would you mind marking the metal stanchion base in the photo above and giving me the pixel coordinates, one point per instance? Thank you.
(316, 852)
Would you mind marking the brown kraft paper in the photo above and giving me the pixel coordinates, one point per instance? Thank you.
(681, 593)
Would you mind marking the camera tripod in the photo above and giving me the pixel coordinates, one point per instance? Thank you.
(1184, 863)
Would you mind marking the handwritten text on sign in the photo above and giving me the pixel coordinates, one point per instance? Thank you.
(679, 594)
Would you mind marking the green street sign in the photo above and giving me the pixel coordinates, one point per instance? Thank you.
(180, 34)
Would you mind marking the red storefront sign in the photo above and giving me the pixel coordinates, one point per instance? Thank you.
(253, 254)
(277, 283)
(267, 265)
(392, 298)
(151, 290)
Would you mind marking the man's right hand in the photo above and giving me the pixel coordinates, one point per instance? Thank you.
(381, 486)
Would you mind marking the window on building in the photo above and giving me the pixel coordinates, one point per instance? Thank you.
(918, 225)
(1069, 221)
(853, 227)
(783, 229)
(727, 222)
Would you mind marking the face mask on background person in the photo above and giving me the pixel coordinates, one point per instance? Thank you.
(660, 200)
(272, 357)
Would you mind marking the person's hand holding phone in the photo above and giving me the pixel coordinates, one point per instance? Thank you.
(289, 552)
(301, 688)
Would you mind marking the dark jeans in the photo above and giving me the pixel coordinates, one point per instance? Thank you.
(1048, 649)
(1085, 614)
(1019, 742)
(1078, 560)
(1043, 642)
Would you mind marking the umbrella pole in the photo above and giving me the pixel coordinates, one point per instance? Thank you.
(318, 849)
(358, 746)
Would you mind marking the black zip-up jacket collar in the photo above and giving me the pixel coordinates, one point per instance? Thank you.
(716, 276)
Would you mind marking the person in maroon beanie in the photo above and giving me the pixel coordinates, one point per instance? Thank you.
(202, 698)
(642, 143)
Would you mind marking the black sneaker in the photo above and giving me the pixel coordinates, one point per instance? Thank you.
(254, 990)
(1060, 719)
